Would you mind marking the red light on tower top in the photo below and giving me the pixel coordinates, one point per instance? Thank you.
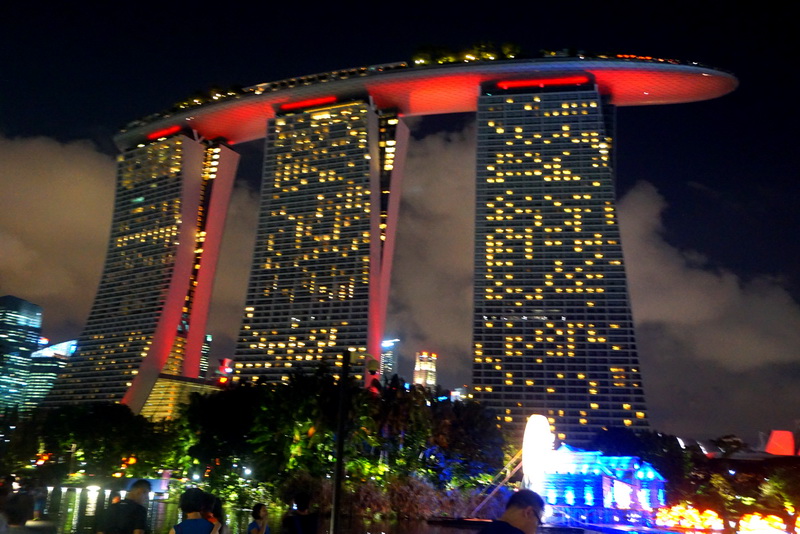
(164, 132)
(308, 103)
(544, 82)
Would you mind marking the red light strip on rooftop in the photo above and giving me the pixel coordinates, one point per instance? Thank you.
(309, 103)
(542, 82)
(163, 133)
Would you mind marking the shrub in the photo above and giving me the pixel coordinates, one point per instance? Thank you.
(368, 501)
(412, 498)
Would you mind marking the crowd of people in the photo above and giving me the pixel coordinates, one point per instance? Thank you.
(20, 504)
(202, 513)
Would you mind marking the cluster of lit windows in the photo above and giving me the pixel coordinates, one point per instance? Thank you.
(147, 227)
(553, 332)
(425, 368)
(308, 294)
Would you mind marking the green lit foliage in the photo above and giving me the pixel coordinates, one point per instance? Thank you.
(469, 440)
(480, 51)
(92, 440)
(223, 424)
(263, 442)
(783, 486)
(403, 423)
(294, 428)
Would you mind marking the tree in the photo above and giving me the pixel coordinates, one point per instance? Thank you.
(685, 469)
(223, 426)
(469, 440)
(94, 439)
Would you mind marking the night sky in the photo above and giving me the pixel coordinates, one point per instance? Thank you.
(707, 191)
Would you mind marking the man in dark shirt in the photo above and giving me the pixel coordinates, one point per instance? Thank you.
(523, 515)
(128, 516)
(301, 520)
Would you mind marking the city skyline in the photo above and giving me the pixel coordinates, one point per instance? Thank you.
(547, 241)
(692, 202)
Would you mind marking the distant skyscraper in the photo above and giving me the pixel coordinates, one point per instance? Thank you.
(388, 364)
(205, 354)
(552, 326)
(425, 369)
(553, 330)
(45, 366)
(20, 330)
(148, 322)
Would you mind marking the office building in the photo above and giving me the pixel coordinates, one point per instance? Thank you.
(20, 330)
(148, 322)
(425, 369)
(388, 363)
(552, 325)
(45, 366)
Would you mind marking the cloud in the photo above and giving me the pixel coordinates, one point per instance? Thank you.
(57, 201)
(738, 323)
(431, 296)
(710, 343)
(699, 398)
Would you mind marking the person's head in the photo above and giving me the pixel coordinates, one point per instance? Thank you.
(259, 511)
(139, 491)
(524, 511)
(192, 500)
(302, 501)
(18, 508)
(216, 509)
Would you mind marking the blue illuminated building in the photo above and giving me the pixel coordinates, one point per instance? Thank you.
(20, 329)
(45, 366)
(586, 487)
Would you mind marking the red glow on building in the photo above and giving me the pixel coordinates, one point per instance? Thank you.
(311, 102)
(164, 132)
(453, 89)
(781, 442)
(543, 82)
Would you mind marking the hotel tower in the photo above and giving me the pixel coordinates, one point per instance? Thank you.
(319, 283)
(552, 332)
(143, 340)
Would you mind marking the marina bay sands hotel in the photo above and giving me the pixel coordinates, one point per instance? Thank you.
(552, 328)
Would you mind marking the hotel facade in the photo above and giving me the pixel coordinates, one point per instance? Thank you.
(143, 341)
(552, 332)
